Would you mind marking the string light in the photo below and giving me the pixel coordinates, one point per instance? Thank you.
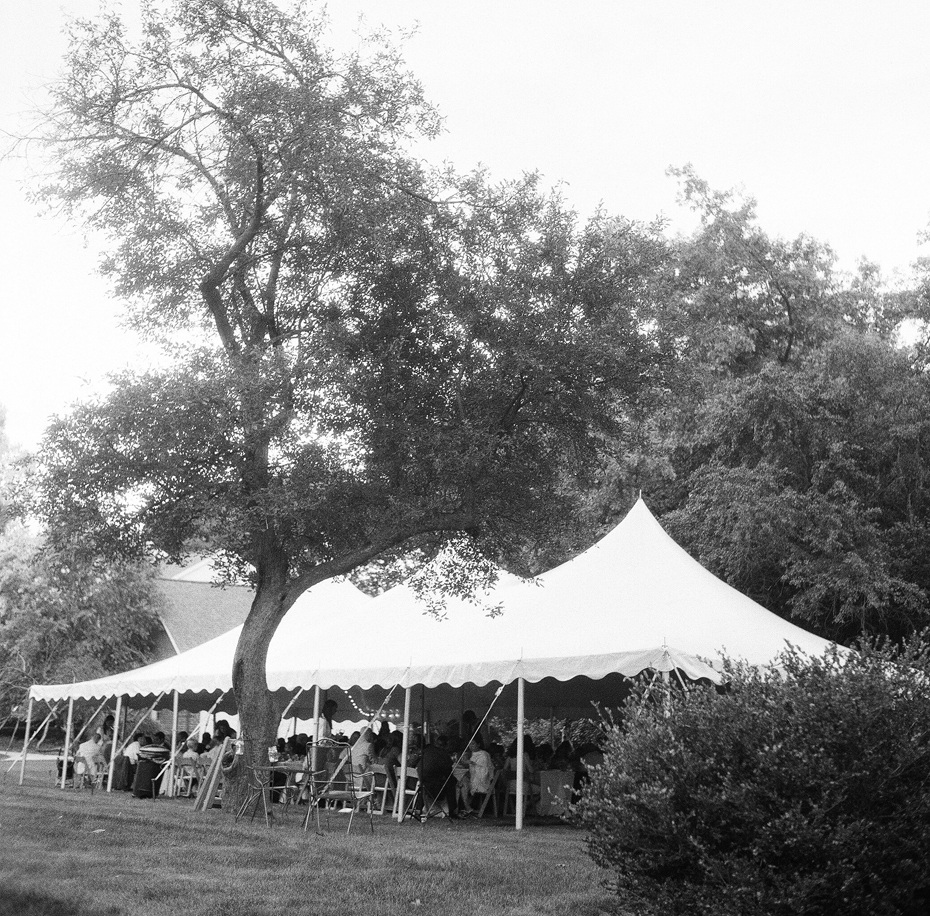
(386, 713)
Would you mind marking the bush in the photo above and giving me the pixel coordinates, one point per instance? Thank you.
(802, 790)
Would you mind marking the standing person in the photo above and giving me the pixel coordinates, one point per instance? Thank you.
(132, 758)
(480, 772)
(105, 731)
(325, 722)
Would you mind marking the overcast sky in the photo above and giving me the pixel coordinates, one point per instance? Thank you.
(819, 109)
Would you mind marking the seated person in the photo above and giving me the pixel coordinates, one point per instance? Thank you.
(89, 757)
(530, 776)
(191, 752)
(363, 756)
(435, 772)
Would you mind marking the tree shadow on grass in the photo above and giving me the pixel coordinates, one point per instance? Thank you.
(16, 902)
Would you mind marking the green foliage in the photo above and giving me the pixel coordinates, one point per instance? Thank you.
(364, 355)
(542, 731)
(805, 488)
(799, 790)
(396, 352)
(66, 616)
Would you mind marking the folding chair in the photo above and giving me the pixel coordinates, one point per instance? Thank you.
(357, 790)
(187, 775)
(490, 795)
(529, 792)
(410, 797)
(88, 774)
(385, 782)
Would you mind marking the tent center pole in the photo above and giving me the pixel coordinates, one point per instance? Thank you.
(67, 751)
(114, 743)
(22, 766)
(521, 776)
(315, 750)
(174, 745)
(400, 792)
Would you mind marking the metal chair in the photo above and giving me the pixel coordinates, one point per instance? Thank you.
(357, 790)
(257, 791)
(88, 774)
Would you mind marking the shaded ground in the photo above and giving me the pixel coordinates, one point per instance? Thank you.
(70, 852)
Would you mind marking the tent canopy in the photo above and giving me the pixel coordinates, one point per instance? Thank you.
(618, 608)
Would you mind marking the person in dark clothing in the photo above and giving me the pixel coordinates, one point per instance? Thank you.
(435, 772)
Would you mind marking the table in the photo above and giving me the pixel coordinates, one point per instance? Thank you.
(261, 784)
(555, 792)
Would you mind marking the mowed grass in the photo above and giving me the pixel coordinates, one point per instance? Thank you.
(70, 853)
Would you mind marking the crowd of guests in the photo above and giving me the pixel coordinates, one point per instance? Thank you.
(193, 753)
(456, 767)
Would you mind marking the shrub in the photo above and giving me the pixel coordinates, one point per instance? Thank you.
(799, 790)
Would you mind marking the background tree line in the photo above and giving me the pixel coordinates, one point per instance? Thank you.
(785, 448)
(373, 356)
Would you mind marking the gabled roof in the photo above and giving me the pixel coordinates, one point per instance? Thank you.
(195, 612)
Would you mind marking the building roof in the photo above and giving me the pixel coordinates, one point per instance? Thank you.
(196, 612)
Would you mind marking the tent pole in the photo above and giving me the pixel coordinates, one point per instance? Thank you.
(287, 709)
(90, 719)
(400, 794)
(35, 732)
(22, 767)
(114, 742)
(174, 742)
(521, 777)
(200, 725)
(66, 754)
(139, 721)
(315, 751)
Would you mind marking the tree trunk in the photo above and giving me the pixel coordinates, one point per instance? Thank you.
(259, 711)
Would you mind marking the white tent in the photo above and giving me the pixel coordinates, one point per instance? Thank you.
(620, 606)
(633, 601)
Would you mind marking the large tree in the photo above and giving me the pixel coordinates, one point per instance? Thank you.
(395, 355)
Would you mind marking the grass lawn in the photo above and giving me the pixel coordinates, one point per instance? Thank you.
(70, 853)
